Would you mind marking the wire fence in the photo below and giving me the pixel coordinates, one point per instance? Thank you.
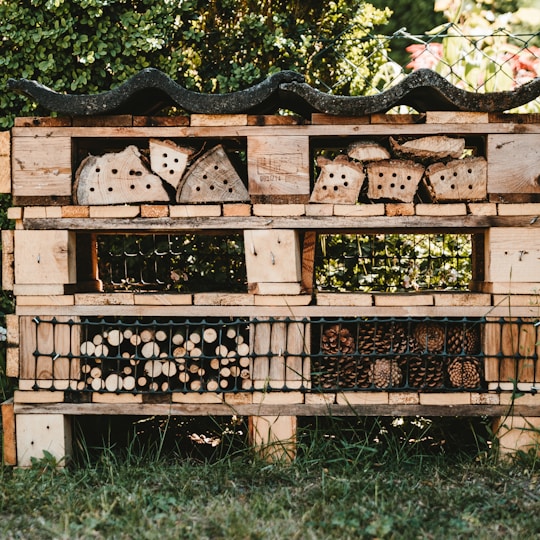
(475, 62)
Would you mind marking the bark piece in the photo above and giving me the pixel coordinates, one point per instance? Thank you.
(367, 151)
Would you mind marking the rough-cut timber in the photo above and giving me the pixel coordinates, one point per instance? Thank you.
(150, 90)
(212, 178)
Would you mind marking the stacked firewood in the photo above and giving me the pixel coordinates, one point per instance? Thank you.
(421, 355)
(144, 359)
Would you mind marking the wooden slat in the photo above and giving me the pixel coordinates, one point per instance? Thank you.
(218, 120)
(5, 162)
(276, 210)
(8, 433)
(456, 117)
(274, 437)
(309, 247)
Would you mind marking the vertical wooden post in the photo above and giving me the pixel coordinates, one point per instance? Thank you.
(273, 437)
(517, 434)
(8, 433)
(37, 433)
(87, 264)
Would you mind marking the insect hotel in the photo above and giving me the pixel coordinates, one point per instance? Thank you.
(197, 264)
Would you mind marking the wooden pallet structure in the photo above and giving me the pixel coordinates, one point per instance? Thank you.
(281, 349)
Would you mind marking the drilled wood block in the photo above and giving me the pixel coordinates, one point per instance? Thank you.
(339, 181)
(513, 163)
(45, 257)
(393, 179)
(37, 433)
(278, 169)
(199, 210)
(41, 166)
(272, 256)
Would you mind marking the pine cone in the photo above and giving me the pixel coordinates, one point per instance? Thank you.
(429, 336)
(463, 339)
(425, 372)
(382, 338)
(385, 373)
(465, 372)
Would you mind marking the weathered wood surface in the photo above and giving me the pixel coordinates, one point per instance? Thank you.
(367, 151)
(339, 181)
(393, 179)
(212, 178)
(429, 149)
(458, 180)
(117, 178)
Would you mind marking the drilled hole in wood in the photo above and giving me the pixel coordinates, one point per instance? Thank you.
(325, 188)
(394, 175)
(114, 171)
(176, 160)
(205, 176)
(212, 188)
(171, 172)
(131, 172)
(442, 176)
(148, 186)
(110, 189)
(216, 167)
(343, 176)
(381, 175)
(132, 186)
(230, 190)
(379, 186)
(198, 188)
(402, 186)
(469, 171)
(392, 185)
(98, 169)
(92, 189)
(225, 182)
(345, 184)
(335, 188)
(409, 178)
(455, 173)
(165, 155)
(470, 186)
(452, 186)
(164, 166)
(138, 173)
(331, 175)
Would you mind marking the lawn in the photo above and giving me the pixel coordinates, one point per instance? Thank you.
(408, 478)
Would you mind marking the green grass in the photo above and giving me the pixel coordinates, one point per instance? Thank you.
(363, 479)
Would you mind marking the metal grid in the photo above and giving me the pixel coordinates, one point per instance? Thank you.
(393, 262)
(317, 355)
(172, 262)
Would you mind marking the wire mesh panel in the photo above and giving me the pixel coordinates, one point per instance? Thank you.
(281, 354)
(184, 263)
(393, 262)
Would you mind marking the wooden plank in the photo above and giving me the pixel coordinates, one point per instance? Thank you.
(403, 299)
(344, 299)
(456, 117)
(223, 299)
(386, 118)
(512, 255)
(279, 210)
(281, 300)
(9, 441)
(41, 396)
(8, 271)
(456, 398)
(117, 120)
(41, 167)
(278, 169)
(154, 210)
(161, 121)
(513, 163)
(14, 213)
(274, 120)
(483, 209)
(451, 209)
(43, 121)
(12, 329)
(218, 120)
(236, 209)
(275, 288)
(277, 398)
(272, 256)
(109, 397)
(196, 398)
(358, 210)
(105, 299)
(332, 120)
(309, 246)
(156, 299)
(508, 287)
(399, 209)
(522, 209)
(38, 432)
(75, 211)
(319, 209)
(43, 212)
(402, 398)
(45, 257)
(12, 362)
(38, 290)
(114, 212)
(190, 211)
(461, 299)
(5, 162)
(362, 398)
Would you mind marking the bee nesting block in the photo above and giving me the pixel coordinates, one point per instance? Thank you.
(393, 179)
(458, 180)
(339, 182)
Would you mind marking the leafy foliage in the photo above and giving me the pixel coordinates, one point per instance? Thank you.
(88, 46)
